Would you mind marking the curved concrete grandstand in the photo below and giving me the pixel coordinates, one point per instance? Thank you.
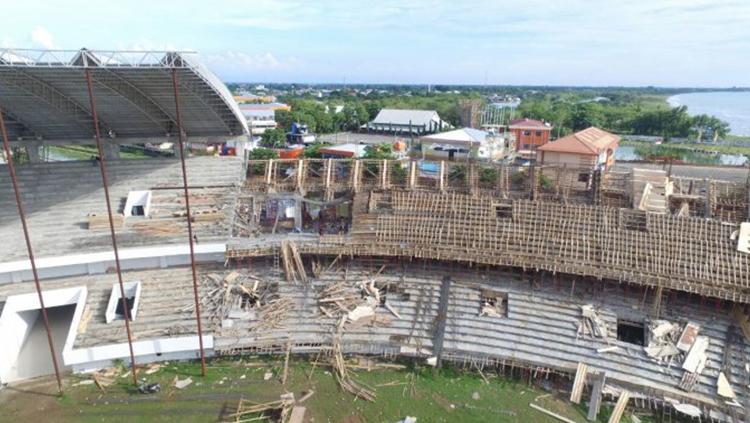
(43, 95)
(632, 282)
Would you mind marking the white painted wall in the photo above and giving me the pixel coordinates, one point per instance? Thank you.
(132, 289)
(97, 263)
(137, 198)
(177, 348)
(15, 323)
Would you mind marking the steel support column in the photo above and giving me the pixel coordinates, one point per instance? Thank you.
(181, 142)
(22, 216)
(105, 184)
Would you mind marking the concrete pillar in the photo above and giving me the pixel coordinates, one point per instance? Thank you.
(412, 174)
(300, 174)
(384, 175)
(441, 176)
(298, 213)
(269, 171)
(356, 175)
(32, 148)
(111, 150)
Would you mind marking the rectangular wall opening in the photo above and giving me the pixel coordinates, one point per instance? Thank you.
(504, 210)
(24, 353)
(493, 303)
(34, 359)
(116, 305)
(137, 204)
(631, 332)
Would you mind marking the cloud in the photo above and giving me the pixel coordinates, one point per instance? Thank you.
(238, 59)
(41, 37)
(232, 64)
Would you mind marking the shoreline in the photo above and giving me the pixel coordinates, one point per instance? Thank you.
(737, 128)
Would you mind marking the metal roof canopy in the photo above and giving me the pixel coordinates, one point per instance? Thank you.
(43, 96)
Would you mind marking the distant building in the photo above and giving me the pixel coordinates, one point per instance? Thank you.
(591, 148)
(259, 120)
(465, 144)
(530, 134)
(343, 151)
(398, 121)
(266, 106)
(253, 98)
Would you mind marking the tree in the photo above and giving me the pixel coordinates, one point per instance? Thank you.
(705, 124)
(261, 154)
(378, 151)
(284, 119)
(273, 138)
(312, 151)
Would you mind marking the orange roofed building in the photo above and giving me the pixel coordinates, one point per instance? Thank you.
(530, 133)
(591, 148)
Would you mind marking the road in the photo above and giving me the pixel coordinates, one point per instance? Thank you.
(724, 173)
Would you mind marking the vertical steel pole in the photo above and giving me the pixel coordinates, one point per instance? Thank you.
(180, 138)
(22, 215)
(105, 183)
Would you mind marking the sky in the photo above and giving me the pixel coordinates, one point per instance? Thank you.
(672, 43)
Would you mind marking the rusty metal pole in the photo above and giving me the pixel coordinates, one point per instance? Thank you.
(180, 138)
(22, 216)
(105, 184)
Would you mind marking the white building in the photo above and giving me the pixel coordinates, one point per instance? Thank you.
(464, 144)
(407, 121)
(259, 119)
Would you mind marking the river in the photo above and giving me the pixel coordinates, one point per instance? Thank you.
(628, 153)
(731, 107)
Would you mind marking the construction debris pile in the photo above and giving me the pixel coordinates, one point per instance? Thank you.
(591, 323)
(276, 411)
(357, 302)
(243, 297)
(662, 341)
(339, 366)
(669, 342)
(245, 218)
(294, 268)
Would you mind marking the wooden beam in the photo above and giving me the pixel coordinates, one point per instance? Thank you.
(596, 395)
(622, 402)
(579, 383)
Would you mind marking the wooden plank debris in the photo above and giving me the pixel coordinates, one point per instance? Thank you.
(550, 413)
(96, 221)
(724, 388)
(619, 409)
(688, 337)
(591, 323)
(286, 363)
(595, 402)
(578, 383)
(339, 366)
(298, 414)
(696, 359)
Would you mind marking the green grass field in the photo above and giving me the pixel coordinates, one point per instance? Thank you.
(431, 396)
(84, 152)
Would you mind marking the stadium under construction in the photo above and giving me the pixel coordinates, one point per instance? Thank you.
(624, 286)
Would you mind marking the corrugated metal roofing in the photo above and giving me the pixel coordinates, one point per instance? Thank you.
(406, 116)
(467, 135)
(46, 98)
(590, 141)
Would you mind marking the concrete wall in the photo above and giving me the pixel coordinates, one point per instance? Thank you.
(178, 348)
(95, 263)
(20, 314)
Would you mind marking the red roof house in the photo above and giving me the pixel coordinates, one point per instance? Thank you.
(590, 148)
(530, 133)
